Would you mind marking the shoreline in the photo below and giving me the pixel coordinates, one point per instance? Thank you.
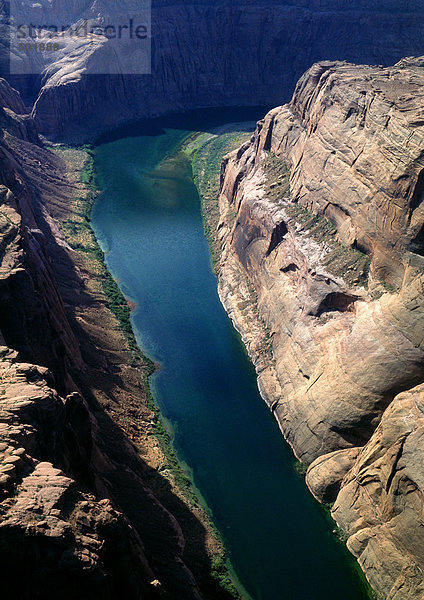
(159, 454)
(256, 347)
(234, 291)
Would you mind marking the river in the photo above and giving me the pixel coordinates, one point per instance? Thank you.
(148, 221)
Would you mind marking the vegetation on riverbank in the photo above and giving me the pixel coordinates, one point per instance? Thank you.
(80, 236)
(206, 155)
(206, 152)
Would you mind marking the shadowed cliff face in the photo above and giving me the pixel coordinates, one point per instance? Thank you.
(323, 211)
(54, 538)
(32, 315)
(80, 511)
(219, 53)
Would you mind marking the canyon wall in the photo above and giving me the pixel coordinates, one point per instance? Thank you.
(322, 221)
(207, 54)
(322, 272)
(83, 509)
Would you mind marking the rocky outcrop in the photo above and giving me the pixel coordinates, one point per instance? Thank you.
(321, 228)
(32, 316)
(366, 175)
(51, 534)
(261, 55)
(13, 115)
(381, 500)
(82, 509)
(324, 477)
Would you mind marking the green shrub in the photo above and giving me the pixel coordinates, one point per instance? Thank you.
(301, 467)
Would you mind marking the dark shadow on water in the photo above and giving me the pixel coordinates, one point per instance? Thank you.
(142, 493)
(131, 482)
(204, 120)
(206, 389)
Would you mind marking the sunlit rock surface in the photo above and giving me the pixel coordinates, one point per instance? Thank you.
(322, 217)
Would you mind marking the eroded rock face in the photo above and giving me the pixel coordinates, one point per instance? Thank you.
(13, 115)
(325, 475)
(340, 355)
(51, 534)
(32, 315)
(77, 511)
(208, 54)
(381, 501)
(322, 219)
(353, 138)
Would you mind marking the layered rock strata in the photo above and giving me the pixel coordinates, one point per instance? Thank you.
(322, 221)
(207, 54)
(52, 534)
(82, 509)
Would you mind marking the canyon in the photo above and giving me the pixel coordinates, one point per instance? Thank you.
(321, 250)
(206, 387)
(321, 230)
(203, 54)
(83, 504)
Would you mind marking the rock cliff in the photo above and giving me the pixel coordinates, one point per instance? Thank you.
(322, 270)
(52, 535)
(216, 53)
(81, 507)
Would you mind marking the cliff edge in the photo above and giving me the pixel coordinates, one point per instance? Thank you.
(322, 271)
(204, 53)
(86, 506)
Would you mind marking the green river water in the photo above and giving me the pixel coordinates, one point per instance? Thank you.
(148, 221)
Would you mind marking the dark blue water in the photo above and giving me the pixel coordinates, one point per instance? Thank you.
(148, 221)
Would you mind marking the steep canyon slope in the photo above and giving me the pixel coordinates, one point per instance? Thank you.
(322, 220)
(322, 233)
(207, 53)
(82, 507)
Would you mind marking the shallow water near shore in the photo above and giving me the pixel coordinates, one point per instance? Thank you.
(148, 221)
